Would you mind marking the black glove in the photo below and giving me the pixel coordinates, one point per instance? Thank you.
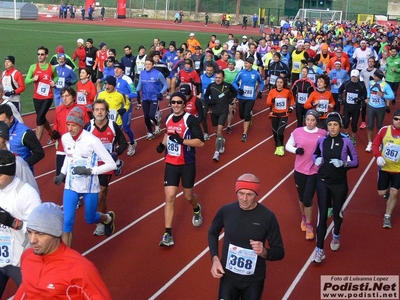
(55, 135)
(160, 96)
(303, 61)
(59, 178)
(387, 109)
(176, 138)
(6, 218)
(67, 82)
(81, 171)
(121, 111)
(240, 91)
(290, 109)
(273, 100)
(340, 100)
(259, 94)
(300, 151)
(160, 148)
(8, 94)
(192, 81)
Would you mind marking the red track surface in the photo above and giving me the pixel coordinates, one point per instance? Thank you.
(134, 267)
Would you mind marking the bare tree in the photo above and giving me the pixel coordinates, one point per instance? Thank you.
(196, 11)
(237, 10)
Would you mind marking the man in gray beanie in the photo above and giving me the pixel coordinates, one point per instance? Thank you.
(49, 262)
(17, 200)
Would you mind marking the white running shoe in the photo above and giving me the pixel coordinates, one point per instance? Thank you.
(131, 149)
(99, 231)
(369, 147)
(216, 156)
(149, 136)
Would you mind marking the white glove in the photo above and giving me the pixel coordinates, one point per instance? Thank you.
(380, 161)
(318, 161)
(336, 162)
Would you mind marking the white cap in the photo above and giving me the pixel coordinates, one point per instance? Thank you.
(355, 73)
(80, 41)
(338, 62)
(244, 37)
(191, 34)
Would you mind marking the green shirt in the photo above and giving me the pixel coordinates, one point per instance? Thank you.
(230, 75)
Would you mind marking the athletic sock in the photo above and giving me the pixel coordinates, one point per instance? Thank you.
(387, 216)
(197, 209)
(168, 230)
(108, 220)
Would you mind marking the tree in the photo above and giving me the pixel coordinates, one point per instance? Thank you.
(196, 11)
(237, 10)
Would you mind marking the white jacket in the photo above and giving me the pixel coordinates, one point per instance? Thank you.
(85, 151)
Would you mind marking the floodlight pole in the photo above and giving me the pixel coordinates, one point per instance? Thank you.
(303, 4)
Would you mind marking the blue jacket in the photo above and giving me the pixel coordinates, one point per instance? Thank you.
(151, 83)
(66, 77)
(339, 77)
(247, 81)
(17, 132)
(205, 82)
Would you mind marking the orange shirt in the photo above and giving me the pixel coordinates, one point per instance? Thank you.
(321, 102)
(192, 43)
(343, 59)
(283, 101)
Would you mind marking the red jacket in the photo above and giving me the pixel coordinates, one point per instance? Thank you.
(17, 77)
(62, 274)
(80, 53)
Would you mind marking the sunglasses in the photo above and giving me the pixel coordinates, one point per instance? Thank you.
(41, 54)
(176, 102)
(396, 119)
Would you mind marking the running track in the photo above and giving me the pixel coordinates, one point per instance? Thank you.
(134, 267)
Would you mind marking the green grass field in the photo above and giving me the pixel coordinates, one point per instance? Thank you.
(22, 38)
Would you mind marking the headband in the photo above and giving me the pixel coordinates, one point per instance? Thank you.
(8, 169)
(248, 185)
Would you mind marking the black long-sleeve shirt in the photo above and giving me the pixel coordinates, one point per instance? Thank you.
(219, 96)
(32, 143)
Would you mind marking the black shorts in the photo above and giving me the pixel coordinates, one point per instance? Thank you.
(173, 174)
(306, 187)
(104, 179)
(218, 119)
(386, 180)
(230, 289)
(41, 109)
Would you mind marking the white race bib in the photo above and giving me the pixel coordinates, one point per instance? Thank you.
(296, 66)
(81, 98)
(273, 79)
(60, 83)
(113, 115)
(127, 71)
(322, 106)
(376, 99)
(280, 103)
(43, 89)
(392, 152)
(311, 76)
(248, 91)
(240, 260)
(302, 98)
(350, 98)
(197, 64)
(174, 149)
(6, 250)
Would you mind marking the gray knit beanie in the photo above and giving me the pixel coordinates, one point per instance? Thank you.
(47, 218)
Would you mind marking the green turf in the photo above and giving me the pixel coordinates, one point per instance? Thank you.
(24, 37)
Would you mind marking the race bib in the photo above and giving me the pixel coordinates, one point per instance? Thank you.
(273, 79)
(240, 260)
(139, 69)
(127, 71)
(376, 99)
(350, 98)
(79, 162)
(311, 77)
(60, 83)
(248, 91)
(302, 98)
(280, 103)
(392, 152)
(6, 250)
(322, 106)
(89, 61)
(197, 64)
(361, 62)
(296, 66)
(81, 98)
(338, 83)
(174, 149)
(113, 114)
(43, 89)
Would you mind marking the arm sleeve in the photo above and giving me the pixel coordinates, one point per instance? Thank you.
(274, 238)
(21, 84)
(106, 157)
(195, 128)
(120, 140)
(200, 111)
(164, 83)
(29, 76)
(32, 143)
(377, 142)
(213, 233)
(291, 144)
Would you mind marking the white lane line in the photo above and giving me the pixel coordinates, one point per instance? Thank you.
(309, 260)
(202, 253)
(178, 195)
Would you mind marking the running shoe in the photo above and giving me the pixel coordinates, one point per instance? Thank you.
(197, 219)
(222, 149)
(363, 125)
(244, 138)
(330, 212)
(99, 231)
(394, 102)
(353, 140)
(167, 240)
(276, 151)
(157, 129)
(387, 222)
(216, 156)
(158, 116)
(79, 204)
(303, 226)
(309, 233)
(109, 227)
(118, 170)
(319, 255)
(229, 130)
(335, 243)
(281, 151)
(206, 137)
(369, 147)
(139, 106)
(168, 96)
(131, 149)
(150, 136)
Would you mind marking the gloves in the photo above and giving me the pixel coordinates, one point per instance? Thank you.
(291, 109)
(333, 81)
(68, 82)
(336, 162)
(192, 81)
(121, 111)
(6, 218)
(303, 61)
(176, 138)
(160, 148)
(340, 100)
(273, 100)
(259, 95)
(160, 96)
(59, 178)
(10, 93)
(240, 91)
(387, 109)
(300, 151)
(318, 161)
(380, 161)
(81, 171)
(55, 135)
